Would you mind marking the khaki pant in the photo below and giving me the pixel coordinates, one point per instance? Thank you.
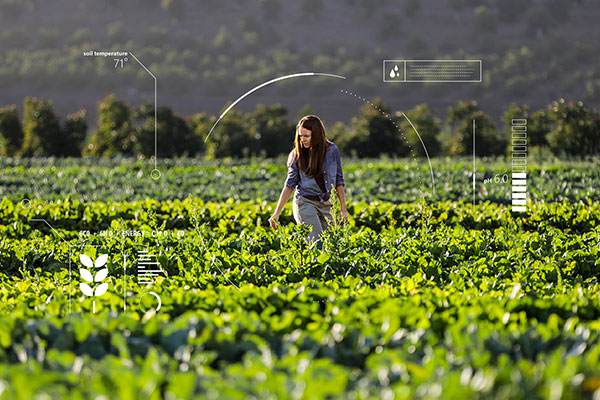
(313, 213)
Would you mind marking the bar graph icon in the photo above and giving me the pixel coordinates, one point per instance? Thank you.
(147, 267)
(519, 164)
(519, 191)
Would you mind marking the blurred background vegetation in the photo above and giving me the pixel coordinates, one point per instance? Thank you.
(205, 55)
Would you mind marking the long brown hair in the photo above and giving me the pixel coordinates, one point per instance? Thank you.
(310, 161)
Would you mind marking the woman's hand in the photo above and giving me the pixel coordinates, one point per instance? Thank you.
(344, 213)
(273, 221)
(286, 192)
(342, 197)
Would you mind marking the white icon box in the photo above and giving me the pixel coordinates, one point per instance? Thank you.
(432, 70)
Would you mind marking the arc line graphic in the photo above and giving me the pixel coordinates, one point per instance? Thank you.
(266, 84)
(426, 153)
(157, 298)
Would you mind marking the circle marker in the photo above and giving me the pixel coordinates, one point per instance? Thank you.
(153, 294)
(155, 174)
(25, 203)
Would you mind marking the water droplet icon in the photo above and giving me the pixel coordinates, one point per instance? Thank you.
(392, 74)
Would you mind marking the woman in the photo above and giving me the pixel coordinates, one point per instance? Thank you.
(314, 167)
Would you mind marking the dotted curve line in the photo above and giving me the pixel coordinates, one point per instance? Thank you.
(387, 115)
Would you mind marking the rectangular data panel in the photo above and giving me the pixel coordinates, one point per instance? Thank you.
(432, 70)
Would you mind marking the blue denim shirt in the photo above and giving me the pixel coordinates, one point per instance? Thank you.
(332, 174)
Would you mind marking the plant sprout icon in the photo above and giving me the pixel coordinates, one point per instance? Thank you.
(87, 275)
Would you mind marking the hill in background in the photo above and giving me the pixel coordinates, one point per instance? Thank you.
(205, 54)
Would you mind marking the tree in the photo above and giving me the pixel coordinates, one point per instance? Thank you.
(222, 40)
(515, 111)
(339, 134)
(11, 131)
(303, 111)
(460, 118)
(462, 110)
(519, 61)
(174, 137)
(175, 7)
(116, 33)
(231, 137)
(537, 123)
(115, 133)
(42, 133)
(575, 128)
(374, 132)
(48, 37)
(74, 133)
(81, 36)
(271, 130)
(143, 119)
(538, 127)
(428, 127)
(200, 125)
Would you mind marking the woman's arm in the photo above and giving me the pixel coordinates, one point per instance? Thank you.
(339, 185)
(342, 197)
(291, 182)
(286, 192)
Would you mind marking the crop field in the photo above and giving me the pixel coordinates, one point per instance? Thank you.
(420, 295)
(389, 180)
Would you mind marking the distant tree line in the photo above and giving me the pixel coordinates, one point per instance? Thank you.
(562, 128)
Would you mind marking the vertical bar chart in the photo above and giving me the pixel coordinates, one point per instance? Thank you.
(519, 164)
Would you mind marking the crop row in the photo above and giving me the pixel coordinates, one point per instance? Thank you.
(555, 243)
(397, 181)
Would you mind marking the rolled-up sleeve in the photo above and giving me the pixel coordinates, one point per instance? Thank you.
(293, 175)
(339, 175)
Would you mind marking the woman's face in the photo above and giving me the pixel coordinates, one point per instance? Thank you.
(305, 136)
